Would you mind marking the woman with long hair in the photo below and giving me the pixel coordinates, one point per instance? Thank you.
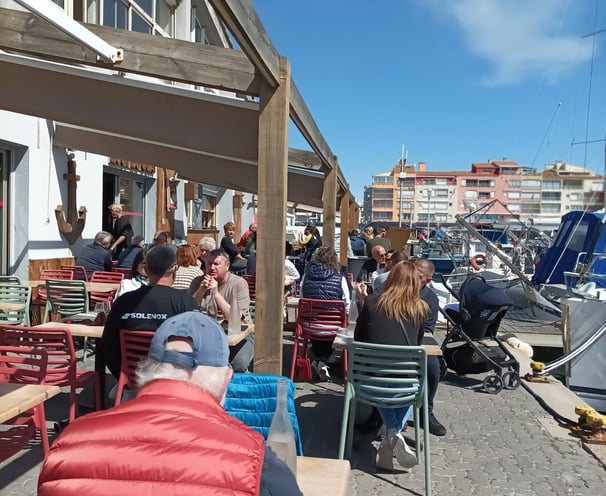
(394, 317)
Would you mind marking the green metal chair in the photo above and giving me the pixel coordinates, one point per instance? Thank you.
(17, 296)
(66, 298)
(387, 376)
(9, 280)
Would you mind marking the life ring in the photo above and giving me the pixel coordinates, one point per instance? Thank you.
(479, 257)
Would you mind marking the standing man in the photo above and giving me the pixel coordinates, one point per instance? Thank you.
(145, 308)
(174, 437)
(378, 239)
(97, 255)
(426, 270)
(242, 243)
(122, 232)
(215, 293)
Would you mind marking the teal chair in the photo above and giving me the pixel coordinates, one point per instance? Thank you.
(387, 376)
(14, 304)
(67, 298)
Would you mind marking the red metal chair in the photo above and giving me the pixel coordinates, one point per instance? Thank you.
(252, 288)
(23, 365)
(63, 274)
(319, 320)
(122, 270)
(62, 368)
(101, 276)
(134, 346)
(79, 272)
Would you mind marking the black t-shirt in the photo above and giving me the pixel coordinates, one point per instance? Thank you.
(141, 310)
(122, 227)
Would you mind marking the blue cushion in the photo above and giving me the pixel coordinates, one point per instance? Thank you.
(252, 399)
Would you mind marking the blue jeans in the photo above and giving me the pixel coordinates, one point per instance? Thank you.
(395, 418)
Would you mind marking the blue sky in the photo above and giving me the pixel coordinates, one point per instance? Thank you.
(454, 81)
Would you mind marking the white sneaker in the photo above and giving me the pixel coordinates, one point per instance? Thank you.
(323, 372)
(385, 455)
(404, 455)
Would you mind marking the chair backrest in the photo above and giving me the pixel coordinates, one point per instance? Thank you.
(122, 270)
(103, 276)
(321, 316)
(10, 280)
(251, 280)
(66, 297)
(20, 296)
(22, 364)
(56, 342)
(387, 376)
(252, 399)
(45, 274)
(134, 346)
(78, 272)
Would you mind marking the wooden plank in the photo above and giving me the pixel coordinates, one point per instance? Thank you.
(241, 19)
(155, 56)
(345, 227)
(271, 231)
(36, 266)
(329, 203)
(317, 476)
(78, 330)
(18, 398)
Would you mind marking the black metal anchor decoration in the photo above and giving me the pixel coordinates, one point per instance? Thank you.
(71, 228)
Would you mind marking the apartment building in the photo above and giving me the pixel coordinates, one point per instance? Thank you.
(411, 194)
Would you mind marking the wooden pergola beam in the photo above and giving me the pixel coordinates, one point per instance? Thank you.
(165, 58)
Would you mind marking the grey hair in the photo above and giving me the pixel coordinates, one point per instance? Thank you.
(208, 241)
(103, 238)
(211, 379)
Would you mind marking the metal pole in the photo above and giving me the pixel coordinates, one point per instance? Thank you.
(400, 203)
(428, 211)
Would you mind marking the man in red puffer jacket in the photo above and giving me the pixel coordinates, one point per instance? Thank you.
(174, 437)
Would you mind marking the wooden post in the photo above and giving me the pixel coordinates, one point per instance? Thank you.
(271, 225)
(237, 210)
(329, 204)
(345, 226)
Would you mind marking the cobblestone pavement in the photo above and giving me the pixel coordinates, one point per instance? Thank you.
(495, 445)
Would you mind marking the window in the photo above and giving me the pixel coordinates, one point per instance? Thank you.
(201, 210)
(514, 207)
(551, 208)
(576, 184)
(552, 184)
(485, 195)
(382, 203)
(383, 193)
(486, 183)
(382, 179)
(471, 195)
(531, 184)
(551, 196)
(428, 181)
(441, 193)
(381, 215)
(531, 196)
(470, 183)
(514, 183)
(513, 194)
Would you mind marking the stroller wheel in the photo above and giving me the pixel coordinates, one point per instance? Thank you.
(493, 384)
(511, 379)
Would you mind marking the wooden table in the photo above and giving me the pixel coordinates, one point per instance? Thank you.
(18, 398)
(81, 330)
(96, 287)
(9, 306)
(322, 476)
(233, 338)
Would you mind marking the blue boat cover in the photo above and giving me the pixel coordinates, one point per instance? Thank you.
(579, 232)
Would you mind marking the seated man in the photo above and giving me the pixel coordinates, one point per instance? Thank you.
(174, 437)
(372, 265)
(144, 309)
(96, 256)
(216, 292)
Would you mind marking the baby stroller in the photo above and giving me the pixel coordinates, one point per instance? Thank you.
(471, 345)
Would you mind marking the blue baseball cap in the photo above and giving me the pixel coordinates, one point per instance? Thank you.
(209, 341)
